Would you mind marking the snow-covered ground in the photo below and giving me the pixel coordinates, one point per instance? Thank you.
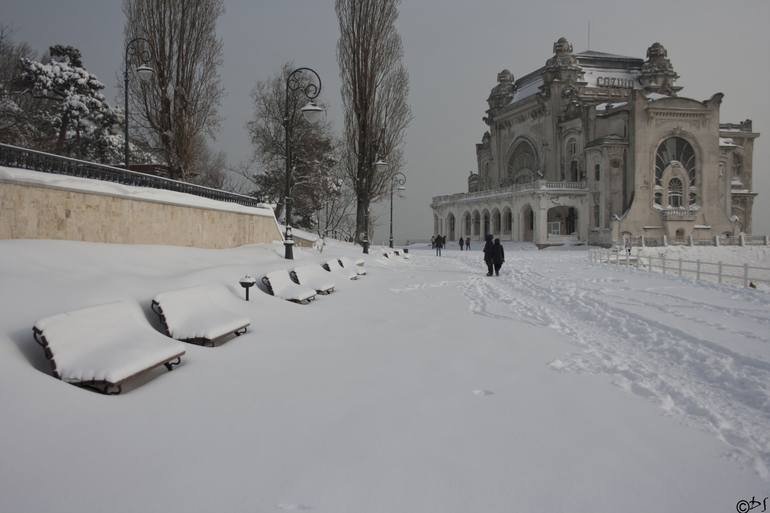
(425, 386)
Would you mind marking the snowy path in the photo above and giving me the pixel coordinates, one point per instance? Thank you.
(423, 387)
(671, 341)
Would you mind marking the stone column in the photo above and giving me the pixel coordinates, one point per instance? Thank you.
(540, 235)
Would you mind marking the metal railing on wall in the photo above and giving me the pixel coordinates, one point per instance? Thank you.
(14, 156)
(719, 272)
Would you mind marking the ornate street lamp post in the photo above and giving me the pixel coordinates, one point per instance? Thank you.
(312, 113)
(397, 181)
(145, 73)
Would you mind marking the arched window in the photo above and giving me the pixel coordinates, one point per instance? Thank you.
(485, 179)
(737, 165)
(675, 193)
(572, 151)
(507, 220)
(597, 172)
(523, 164)
(676, 149)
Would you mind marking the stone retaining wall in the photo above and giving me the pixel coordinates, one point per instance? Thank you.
(46, 212)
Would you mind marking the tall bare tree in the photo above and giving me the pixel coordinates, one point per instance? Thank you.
(180, 102)
(375, 86)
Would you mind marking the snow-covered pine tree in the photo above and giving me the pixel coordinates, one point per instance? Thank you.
(73, 116)
(15, 122)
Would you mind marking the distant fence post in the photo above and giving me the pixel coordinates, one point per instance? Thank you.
(680, 266)
(745, 275)
(663, 262)
(716, 240)
(665, 240)
(697, 270)
(690, 241)
(643, 242)
(741, 239)
(719, 272)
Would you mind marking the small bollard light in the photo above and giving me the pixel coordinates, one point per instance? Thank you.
(288, 244)
(247, 282)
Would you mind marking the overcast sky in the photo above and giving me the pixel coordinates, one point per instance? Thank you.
(453, 50)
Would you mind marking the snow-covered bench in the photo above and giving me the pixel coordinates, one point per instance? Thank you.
(102, 346)
(391, 256)
(313, 276)
(279, 284)
(335, 267)
(196, 314)
(358, 266)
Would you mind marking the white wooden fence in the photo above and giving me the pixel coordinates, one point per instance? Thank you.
(719, 272)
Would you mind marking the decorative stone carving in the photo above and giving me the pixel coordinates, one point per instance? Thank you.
(563, 65)
(502, 93)
(658, 75)
(473, 182)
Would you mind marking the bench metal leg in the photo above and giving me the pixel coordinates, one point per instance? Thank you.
(172, 363)
(102, 387)
(240, 332)
(112, 389)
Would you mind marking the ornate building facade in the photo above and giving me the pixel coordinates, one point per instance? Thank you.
(596, 147)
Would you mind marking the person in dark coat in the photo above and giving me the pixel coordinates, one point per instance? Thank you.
(467, 243)
(489, 252)
(462, 243)
(498, 256)
(439, 244)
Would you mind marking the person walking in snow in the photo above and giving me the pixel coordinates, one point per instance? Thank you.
(439, 244)
(498, 256)
(462, 242)
(467, 243)
(489, 253)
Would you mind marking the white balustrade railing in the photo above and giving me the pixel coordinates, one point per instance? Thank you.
(719, 272)
(511, 189)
